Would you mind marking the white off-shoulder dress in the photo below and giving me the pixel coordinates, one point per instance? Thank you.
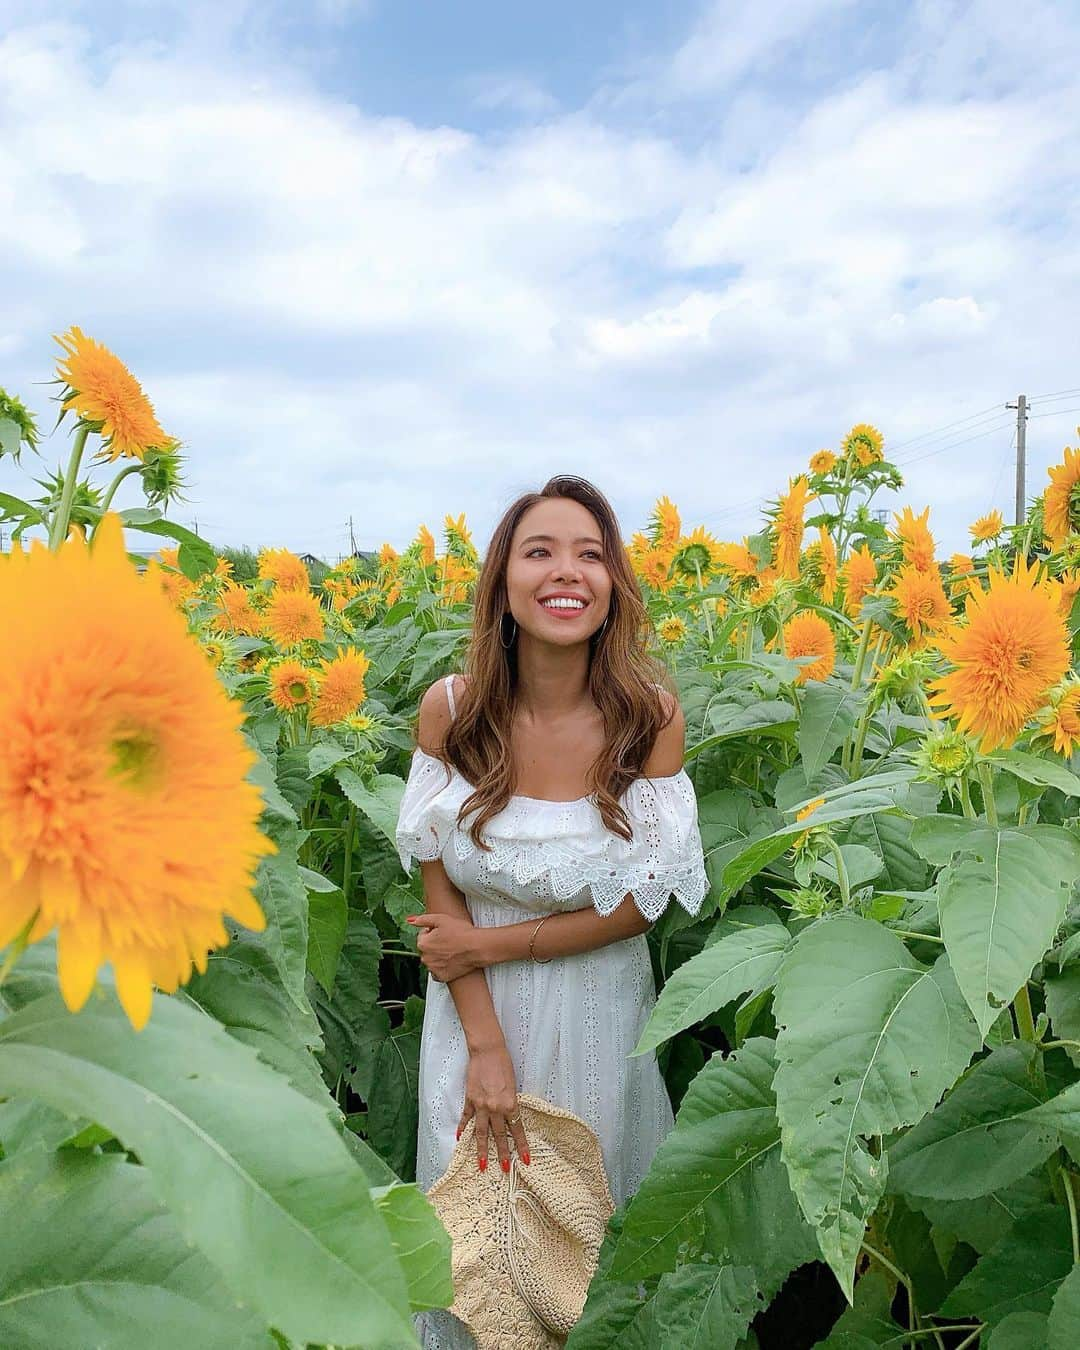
(569, 1023)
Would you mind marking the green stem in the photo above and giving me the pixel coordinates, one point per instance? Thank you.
(350, 833)
(841, 870)
(1071, 1201)
(58, 528)
(704, 606)
(913, 1316)
(920, 937)
(970, 1340)
(124, 473)
(1024, 1019)
(1058, 1045)
(986, 782)
(860, 656)
(965, 798)
(861, 730)
(16, 948)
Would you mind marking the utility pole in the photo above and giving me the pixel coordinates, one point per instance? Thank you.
(352, 537)
(1021, 456)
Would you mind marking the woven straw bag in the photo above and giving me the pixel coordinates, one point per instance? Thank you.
(525, 1243)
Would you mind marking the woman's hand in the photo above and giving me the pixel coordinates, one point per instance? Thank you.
(491, 1095)
(450, 947)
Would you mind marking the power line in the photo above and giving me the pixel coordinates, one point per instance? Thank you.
(1059, 412)
(938, 431)
(954, 445)
(1050, 398)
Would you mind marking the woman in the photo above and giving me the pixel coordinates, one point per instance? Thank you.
(548, 806)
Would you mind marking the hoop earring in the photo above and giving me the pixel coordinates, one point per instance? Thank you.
(600, 631)
(508, 645)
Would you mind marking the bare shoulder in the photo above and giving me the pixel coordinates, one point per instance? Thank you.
(669, 749)
(434, 714)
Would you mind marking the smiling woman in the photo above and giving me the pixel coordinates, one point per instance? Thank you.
(538, 902)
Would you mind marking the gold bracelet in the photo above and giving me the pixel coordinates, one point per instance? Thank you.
(536, 930)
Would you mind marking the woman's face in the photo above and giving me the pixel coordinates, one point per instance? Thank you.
(557, 549)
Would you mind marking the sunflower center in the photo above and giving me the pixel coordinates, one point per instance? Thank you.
(135, 756)
(298, 690)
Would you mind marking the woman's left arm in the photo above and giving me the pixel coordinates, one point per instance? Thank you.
(448, 947)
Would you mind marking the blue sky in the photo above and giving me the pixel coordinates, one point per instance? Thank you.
(395, 260)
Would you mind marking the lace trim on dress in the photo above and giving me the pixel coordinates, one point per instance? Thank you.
(566, 842)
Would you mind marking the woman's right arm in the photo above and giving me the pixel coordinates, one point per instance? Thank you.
(490, 1090)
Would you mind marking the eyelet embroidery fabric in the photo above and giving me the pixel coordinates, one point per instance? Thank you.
(571, 1023)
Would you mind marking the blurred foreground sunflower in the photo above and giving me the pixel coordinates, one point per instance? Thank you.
(122, 747)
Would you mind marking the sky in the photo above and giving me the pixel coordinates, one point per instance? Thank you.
(394, 260)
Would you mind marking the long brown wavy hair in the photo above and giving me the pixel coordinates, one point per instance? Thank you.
(622, 676)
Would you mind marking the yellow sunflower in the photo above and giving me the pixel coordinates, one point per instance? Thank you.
(859, 575)
(1011, 650)
(1060, 720)
(827, 564)
(788, 526)
(1061, 500)
(916, 541)
(341, 687)
(107, 397)
(237, 614)
(172, 584)
(292, 685)
(822, 461)
(1069, 582)
(738, 560)
(809, 808)
(807, 634)
(292, 616)
(655, 568)
(920, 601)
(864, 443)
(388, 555)
(121, 748)
(672, 629)
(665, 525)
(987, 527)
(284, 569)
(426, 540)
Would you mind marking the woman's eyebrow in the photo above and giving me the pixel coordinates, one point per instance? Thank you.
(550, 539)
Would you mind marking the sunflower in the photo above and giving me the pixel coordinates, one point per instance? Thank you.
(292, 616)
(822, 462)
(292, 685)
(654, 567)
(986, 527)
(920, 601)
(284, 569)
(341, 687)
(214, 651)
(237, 614)
(826, 554)
(1011, 650)
(1060, 720)
(859, 575)
(765, 589)
(174, 585)
(961, 565)
(1061, 500)
(121, 747)
(788, 526)
(864, 443)
(426, 541)
(458, 536)
(809, 808)
(738, 560)
(1069, 582)
(916, 541)
(388, 555)
(807, 634)
(672, 629)
(107, 398)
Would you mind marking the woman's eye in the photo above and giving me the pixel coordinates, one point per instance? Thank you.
(539, 548)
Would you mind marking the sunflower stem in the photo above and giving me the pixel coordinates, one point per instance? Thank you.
(841, 870)
(1024, 1019)
(16, 948)
(704, 606)
(965, 798)
(58, 529)
(350, 832)
(860, 657)
(986, 782)
(111, 493)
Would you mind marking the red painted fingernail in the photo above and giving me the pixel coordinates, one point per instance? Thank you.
(525, 1155)
(483, 1164)
(504, 1163)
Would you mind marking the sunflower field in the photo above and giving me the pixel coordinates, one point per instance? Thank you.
(210, 998)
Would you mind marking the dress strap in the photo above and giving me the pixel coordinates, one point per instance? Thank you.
(449, 682)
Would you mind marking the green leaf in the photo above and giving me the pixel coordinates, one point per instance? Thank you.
(392, 1104)
(717, 1182)
(421, 1244)
(261, 774)
(381, 803)
(14, 508)
(890, 837)
(1020, 1331)
(196, 556)
(868, 1041)
(868, 1322)
(328, 916)
(1035, 769)
(1000, 903)
(744, 961)
(982, 1137)
(1021, 1274)
(324, 756)
(982, 1223)
(253, 1173)
(697, 1307)
(731, 719)
(828, 714)
(93, 1259)
(282, 897)
(10, 436)
(1063, 1326)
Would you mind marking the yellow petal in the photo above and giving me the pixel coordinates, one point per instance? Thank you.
(245, 909)
(134, 989)
(78, 955)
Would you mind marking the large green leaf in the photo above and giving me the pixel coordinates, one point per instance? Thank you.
(889, 836)
(828, 714)
(88, 1257)
(1021, 1274)
(328, 917)
(1001, 900)
(717, 1182)
(1035, 769)
(1063, 1327)
(421, 1244)
(381, 802)
(982, 1137)
(253, 1173)
(744, 961)
(392, 1104)
(282, 897)
(869, 1321)
(982, 1223)
(868, 1041)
